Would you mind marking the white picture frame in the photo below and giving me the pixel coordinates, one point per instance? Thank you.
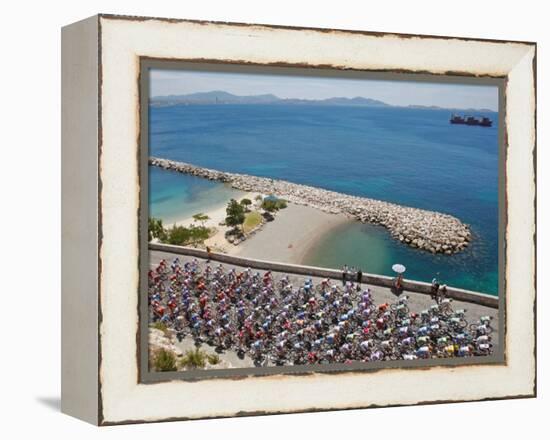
(101, 203)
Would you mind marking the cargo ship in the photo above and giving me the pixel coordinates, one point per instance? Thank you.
(471, 120)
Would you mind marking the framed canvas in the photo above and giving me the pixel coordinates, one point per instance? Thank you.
(262, 219)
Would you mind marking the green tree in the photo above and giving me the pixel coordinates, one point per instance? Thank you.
(199, 234)
(235, 213)
(201, 218)
(281, 204)
(246, 203)
(272, 205)
(269, 205)
(180, 235)
(156, 229)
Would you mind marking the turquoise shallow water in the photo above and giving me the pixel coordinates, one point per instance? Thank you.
(409, 156)
(174, 196)
(374, 251)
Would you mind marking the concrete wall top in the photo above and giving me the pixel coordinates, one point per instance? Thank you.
(373, 279)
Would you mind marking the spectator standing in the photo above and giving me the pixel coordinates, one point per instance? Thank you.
(344, 274)
(435, 289)
(442, 293)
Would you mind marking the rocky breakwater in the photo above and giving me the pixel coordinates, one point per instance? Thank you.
(427, 230)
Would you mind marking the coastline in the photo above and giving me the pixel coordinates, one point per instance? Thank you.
(430, 231)
(216, 216)
(307, 235)
(289, 238)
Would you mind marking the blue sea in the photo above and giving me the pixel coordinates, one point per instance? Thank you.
(408, 156)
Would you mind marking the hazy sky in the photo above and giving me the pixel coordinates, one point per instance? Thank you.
(181, 82)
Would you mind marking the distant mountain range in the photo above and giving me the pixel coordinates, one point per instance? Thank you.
(221, 97)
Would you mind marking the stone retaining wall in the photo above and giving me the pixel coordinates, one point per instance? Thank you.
(372, 279)
(431, 231)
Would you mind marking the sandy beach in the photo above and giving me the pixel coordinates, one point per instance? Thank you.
(289, 237)
(216, 216)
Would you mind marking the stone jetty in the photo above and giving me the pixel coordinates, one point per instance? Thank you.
(427, 230)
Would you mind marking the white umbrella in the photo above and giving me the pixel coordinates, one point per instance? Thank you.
(399, 268)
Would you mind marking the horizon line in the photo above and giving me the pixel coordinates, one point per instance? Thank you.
(324, 99)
